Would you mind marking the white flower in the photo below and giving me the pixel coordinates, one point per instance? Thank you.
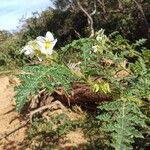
(99, 38)
(28, 50)
(95, 48)
(100, 35)
(47, 43)
(101, 31)
(41, 47)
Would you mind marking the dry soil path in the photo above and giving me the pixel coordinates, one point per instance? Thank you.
(9, 120)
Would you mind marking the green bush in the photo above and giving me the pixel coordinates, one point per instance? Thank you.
(109, 65)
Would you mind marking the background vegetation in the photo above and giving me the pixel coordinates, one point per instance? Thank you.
(73, 19)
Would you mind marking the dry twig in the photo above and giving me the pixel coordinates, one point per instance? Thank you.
(53, 106)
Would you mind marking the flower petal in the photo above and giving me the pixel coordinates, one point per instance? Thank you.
(50, 49)
(41, 44)
(43, 50)
(41, 39)
(27, 50)
(54, 42)
(49, 36)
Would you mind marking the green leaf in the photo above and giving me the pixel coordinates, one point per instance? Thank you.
(120, 120)
(42, 76)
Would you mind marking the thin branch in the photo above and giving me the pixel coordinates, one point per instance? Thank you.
(100, 2)
(13, 131)
(77, 33)
(120, 5)
(102, 5)
(54, 105)
(89, 18)
(95, 9)
(144, 17)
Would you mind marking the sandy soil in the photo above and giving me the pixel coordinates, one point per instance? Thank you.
(9, 119)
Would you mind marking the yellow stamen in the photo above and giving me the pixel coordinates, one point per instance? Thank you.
(37, 52)
(47, 44)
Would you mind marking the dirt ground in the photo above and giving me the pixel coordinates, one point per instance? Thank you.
(9, 121)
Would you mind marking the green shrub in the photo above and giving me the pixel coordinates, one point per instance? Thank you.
(109, 65)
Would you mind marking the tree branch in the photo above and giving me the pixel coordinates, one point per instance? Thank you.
(90, 19)
(95, 9)
(102, 5)
(144, 18)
